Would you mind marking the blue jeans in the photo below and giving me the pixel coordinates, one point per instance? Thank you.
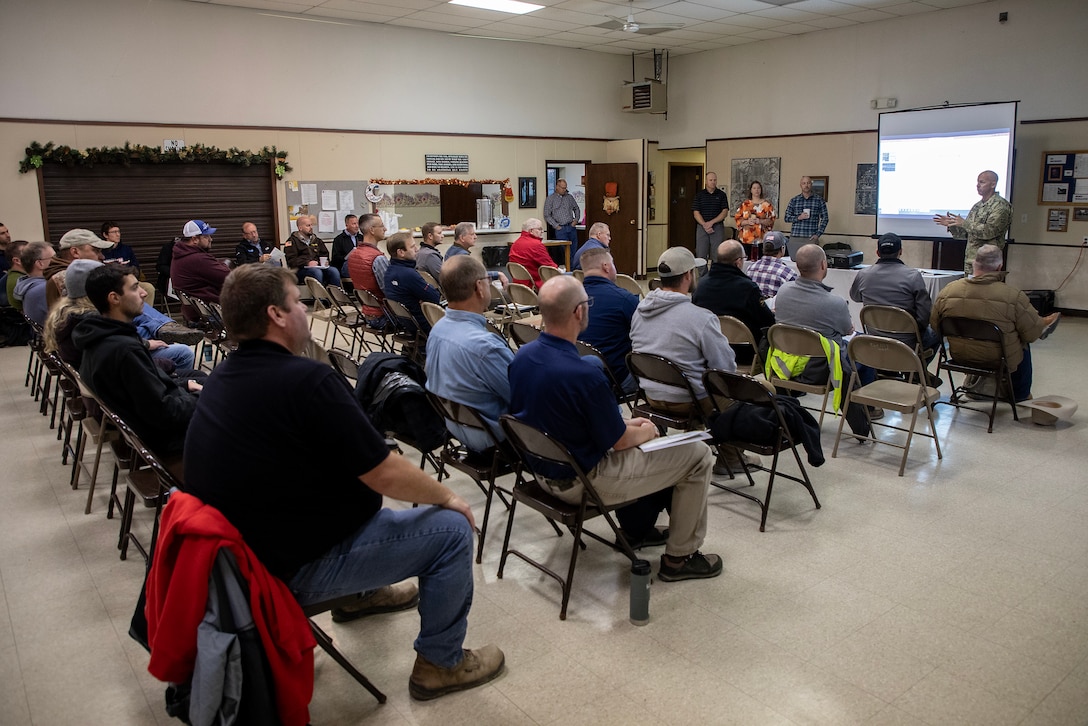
(568, 232)
(1021, 377)
(181, 354)
(149, 321)
(324, 275)
(432, 543)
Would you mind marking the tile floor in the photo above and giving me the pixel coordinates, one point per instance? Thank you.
(957, 594)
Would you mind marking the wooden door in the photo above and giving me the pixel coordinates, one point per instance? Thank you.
(684, 181)
(624, 223)
(458, 203)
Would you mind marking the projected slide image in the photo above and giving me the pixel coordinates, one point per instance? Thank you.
(921, 176)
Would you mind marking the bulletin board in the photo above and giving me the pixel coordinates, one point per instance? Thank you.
(1064, 178)
(329, 200)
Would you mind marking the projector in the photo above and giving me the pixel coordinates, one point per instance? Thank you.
(844, 259)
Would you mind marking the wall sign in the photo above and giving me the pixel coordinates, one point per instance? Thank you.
(456, 163)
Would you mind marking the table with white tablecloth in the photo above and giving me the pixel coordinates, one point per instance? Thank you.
(840, 281)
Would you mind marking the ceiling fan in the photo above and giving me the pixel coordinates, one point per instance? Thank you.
(630, 25)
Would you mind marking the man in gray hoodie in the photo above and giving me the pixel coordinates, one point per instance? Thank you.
(30, 290)
(667, 323)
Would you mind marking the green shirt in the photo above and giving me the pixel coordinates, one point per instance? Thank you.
(13, 277)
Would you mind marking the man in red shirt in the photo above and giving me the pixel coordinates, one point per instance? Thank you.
(529, 250)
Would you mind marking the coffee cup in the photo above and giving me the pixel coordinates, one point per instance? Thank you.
(808, 212)
(324, 262)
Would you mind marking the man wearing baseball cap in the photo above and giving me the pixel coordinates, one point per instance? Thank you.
(75, 244)
(891, 282)
(194, 270)
(769, 271)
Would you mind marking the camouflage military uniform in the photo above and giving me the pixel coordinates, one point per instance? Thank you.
(986, 224)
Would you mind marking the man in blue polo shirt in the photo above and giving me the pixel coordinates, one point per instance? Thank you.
(403, 283)
(609, 329)
(582, 414)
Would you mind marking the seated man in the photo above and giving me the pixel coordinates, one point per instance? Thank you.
(466, 362)
(304, 250)
(529, 250)
(429, 258)
(118, 367)
(726, 290)
(609, 328)
(322, 528)
(344, 243)
(582, 414)
(769, 271)
(809, 303)
(29, 292)
(367, 265)
(251, 249)
(13, 275)
(193, 269)
(891, 282)
(668, 324)
(600, 237)
(464, 239)
(75, 244)
(987, 297)
(403, 283)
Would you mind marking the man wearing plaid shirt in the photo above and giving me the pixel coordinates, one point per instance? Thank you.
(808, 213)
(769, 271)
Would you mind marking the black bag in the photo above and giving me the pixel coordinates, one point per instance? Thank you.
(14, 329)
(390, 389)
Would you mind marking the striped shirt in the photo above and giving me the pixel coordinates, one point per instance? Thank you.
(710, 204)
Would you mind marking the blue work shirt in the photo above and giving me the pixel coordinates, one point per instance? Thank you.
(609, 329)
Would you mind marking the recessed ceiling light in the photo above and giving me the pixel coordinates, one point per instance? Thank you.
(503, 6)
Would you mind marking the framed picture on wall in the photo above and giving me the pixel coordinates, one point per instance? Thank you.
(1080, 214)
(819, 186)
(526, 192)
(1057, 220)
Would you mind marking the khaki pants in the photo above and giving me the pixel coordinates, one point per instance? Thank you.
(623, 476)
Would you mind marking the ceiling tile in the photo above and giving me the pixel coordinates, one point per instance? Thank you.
(796, 28)
(907, 9)
(824, 7)
(868, 16)
(788, 15)
(832, 22)
(696, 11)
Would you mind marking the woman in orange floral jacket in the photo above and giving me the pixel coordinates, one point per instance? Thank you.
(754, 219)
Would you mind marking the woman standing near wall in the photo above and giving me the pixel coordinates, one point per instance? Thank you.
(754, 219)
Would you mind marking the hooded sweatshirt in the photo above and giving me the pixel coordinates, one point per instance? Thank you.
(668, 324)
(31, 292)
(198, 273)
(118, 368)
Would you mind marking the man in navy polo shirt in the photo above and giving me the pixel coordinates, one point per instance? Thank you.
(582, 414)
(609, 329)
(319, 524)
(403, 283)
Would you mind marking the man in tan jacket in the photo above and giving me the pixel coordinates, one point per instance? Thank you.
(986, 297)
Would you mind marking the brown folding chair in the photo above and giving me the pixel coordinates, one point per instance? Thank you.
(649, 367)
(380, 332)
(547, 272)
(413, 341)
(729, 389)
(740, 336)
(909, 395)
(796, 340)
(323, 310)
(432, 312)
(629, 284)
(892, 322)
(518, 271)
(522, 334)
(347, 317)
(536, 448)
(524, 298)
(962, 335)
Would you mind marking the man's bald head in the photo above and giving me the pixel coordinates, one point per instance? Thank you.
(730, 251)
(559, 297)
(811, 260)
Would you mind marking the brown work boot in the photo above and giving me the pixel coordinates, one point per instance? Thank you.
(388, 599)
(475, 669)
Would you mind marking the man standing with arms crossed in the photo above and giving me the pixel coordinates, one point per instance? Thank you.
(709, 208)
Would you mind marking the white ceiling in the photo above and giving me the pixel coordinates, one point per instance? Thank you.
(708, 24)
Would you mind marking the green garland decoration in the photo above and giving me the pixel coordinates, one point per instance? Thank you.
(130, 154)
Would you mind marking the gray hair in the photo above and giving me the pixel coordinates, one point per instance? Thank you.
(988, 258)
(462, 229)
(530, 223)
(597, 228)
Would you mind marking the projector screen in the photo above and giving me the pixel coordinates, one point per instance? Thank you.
(929, 160)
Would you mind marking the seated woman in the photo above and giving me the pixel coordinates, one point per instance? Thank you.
(754, 219)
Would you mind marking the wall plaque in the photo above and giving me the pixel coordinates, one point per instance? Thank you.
(455, 163)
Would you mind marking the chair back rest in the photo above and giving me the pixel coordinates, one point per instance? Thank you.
(885, 354)
(649, 367)
(983, 335)
(580, 275)
(495, 329)
(629, 284)
(341, 300)
(547, 272)
(432, 312)
(535, 447)
(795, 340)
(887, 319)
(401, 316)
(321, 295)
(517, 271)
(523, 294)
(367, 298)
(724, 388)
(523, 334)
(459, 413)
(585, 349)
(739, 335)
(344, 364)
(429, 279)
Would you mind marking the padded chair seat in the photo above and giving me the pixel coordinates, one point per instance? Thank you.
(896, 395)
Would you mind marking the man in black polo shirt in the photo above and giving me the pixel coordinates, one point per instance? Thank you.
(317, 522)
(709, 207)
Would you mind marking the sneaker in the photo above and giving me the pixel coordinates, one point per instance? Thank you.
(388, 599)
(177, 333)
(875, 414)
(695, 566)
(1050, 326)
(655, 538)
(475, 669)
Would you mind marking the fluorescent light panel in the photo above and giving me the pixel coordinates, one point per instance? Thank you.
(503, 6)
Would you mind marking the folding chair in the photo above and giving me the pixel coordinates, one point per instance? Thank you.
(518, 271)
(412, 340)
(585, 349)
(547, 272)
(728, 389)
(629, 284)
(795, 340)
(987, 362)
(324, 309)
(432, 312)
(581, 275)
(483, 466)
(101, 432)
(348, 317)
(536, 448)
(382, 333)
(740, 336)
(649, 367)
(345, 365)
(429, 279)
(524, 298)
(889, 321)
(522, 334)
(905, 396)
(325, 641)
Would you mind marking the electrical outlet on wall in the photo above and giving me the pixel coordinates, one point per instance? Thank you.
(1084, 241)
